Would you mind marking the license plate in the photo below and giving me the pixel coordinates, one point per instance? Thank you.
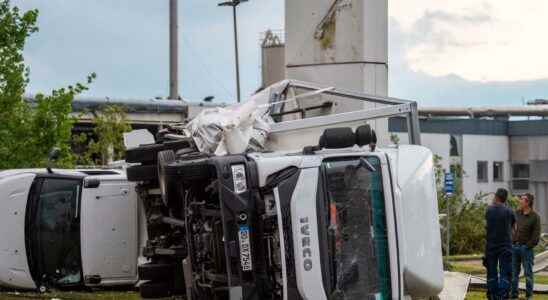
(245, 249)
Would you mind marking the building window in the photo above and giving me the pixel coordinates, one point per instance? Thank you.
(498, 171)
(482, 171)
(520, 177)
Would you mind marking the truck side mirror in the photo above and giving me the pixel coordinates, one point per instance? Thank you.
(53, 156)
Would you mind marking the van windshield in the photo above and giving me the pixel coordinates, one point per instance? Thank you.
(358, 244)
(54, 236)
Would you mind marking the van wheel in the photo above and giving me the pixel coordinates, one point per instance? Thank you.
(154, 290)
(152, 271)
(168, 189)
(142, 173)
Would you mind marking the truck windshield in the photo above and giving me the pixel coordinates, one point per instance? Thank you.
(358, 245)
(54, 235)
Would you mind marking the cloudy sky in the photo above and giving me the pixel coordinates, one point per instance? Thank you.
(442, 52)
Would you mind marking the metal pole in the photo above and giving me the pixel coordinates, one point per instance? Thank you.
(413, 125)
(236, 53)
(447, 252)
(173, 51)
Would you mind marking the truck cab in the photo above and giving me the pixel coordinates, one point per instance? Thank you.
(334, 224)
(68, 228)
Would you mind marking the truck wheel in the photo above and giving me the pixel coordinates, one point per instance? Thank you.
(167, 187)
(143, 153)
(148, 154)
(336, 138)
(142, 173)
(364, 135)
(154, 290)
(156, 271)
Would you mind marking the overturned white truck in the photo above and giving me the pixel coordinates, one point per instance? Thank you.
(336, 219)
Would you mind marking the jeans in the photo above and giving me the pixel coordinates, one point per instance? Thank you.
(522, 256)
(499, 272)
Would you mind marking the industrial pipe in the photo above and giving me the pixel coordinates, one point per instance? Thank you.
(486, 111)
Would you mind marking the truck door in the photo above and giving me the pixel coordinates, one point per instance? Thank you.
(109, 232)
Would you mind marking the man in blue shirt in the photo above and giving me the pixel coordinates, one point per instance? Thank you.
(499, 219)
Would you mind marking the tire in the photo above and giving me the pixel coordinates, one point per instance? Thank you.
(148, 154)
(143, 153)
(152, 289)
(364, 135)
(167, 186)
(142, 173)
(156, 271)
(335, 138)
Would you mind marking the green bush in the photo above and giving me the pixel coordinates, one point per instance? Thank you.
(466, 225)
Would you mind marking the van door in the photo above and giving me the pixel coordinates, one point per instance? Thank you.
(109, 232)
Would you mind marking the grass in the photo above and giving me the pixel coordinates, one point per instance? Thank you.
(478, 269)
(99, 295)
(480, 295)
(473, 268)
(540, 279)
(465, 257)
(464, 267)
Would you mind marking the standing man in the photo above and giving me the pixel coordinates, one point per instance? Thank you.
(498, 249)
(526, 237)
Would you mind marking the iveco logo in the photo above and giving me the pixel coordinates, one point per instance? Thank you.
(305, 241)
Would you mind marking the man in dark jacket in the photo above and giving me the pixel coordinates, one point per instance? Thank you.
(526, 237)
(498, 249)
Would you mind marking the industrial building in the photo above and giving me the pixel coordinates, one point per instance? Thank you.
(492, 153)
(494, 147)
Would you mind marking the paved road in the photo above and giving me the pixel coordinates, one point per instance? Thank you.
(455, 286)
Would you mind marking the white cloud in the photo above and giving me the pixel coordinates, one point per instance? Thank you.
(491, 40)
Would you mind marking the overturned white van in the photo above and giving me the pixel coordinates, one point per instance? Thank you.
(68, 228)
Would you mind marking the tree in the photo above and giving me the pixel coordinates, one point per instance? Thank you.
(30, 129)
(110, 124)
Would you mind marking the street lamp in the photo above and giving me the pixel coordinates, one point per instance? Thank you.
(173, 51)
(234, 4)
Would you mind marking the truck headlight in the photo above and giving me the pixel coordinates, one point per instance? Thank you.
(239, 178)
